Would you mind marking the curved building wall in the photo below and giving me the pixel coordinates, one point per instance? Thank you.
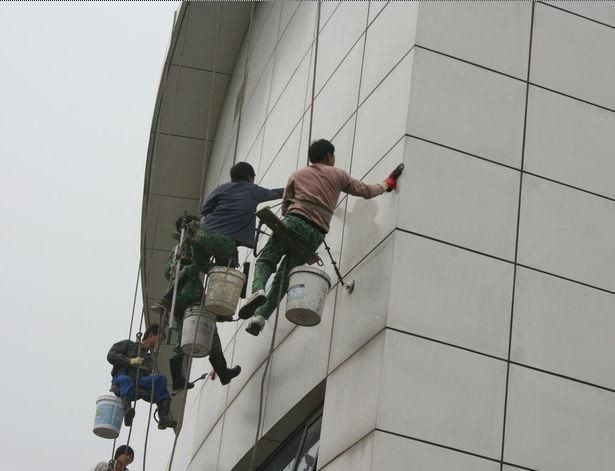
(480, 332)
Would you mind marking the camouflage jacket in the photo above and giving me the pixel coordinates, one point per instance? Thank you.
(193, 289)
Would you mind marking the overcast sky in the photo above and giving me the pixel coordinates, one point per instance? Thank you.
(77, 88)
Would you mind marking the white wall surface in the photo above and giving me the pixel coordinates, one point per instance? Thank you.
(504, 115)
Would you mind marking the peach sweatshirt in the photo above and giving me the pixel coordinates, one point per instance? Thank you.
(320, 185)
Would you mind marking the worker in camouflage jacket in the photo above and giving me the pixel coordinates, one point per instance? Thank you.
(191, 293)
(133, 365)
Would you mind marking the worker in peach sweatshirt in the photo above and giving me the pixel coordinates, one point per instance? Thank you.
(310, 198)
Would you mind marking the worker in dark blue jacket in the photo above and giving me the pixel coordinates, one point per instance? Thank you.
(230, 221)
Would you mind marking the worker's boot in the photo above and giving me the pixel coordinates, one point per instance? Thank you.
(129, 412)
(225, 374)
(164, 414)
(177, 374)
(256, 324)
(256, 300)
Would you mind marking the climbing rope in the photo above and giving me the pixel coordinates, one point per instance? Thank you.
(202, 184)
(113, 450)
(151, 397)
(185, 17)
(284, 263)
(244, 82)
(190, 357)
(187, 375)
(134, 299)
(161, 325)
(134, 404)
(284, 266)
(175, 282)
(314, 76)
(211, 101)
(259, 231)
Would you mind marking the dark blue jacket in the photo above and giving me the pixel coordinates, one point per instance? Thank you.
(230, 210)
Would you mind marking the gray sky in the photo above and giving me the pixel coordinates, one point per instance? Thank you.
(77, 92)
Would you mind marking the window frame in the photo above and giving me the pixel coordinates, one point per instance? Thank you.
(302, 430)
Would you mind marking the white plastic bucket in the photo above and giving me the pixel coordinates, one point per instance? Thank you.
(109, 415)
(307, 292)
(224, 287)
(198, 331)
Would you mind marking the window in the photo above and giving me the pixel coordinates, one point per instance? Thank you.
(300, 451)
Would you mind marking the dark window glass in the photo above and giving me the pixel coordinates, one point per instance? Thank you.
(309, 451)
(286, 456)
(300, 452)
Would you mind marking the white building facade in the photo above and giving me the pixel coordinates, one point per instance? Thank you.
(481, 332)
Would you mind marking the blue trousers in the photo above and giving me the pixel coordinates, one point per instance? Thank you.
(127, 386)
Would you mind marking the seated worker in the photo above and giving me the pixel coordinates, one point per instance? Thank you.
(310, 198)
(124, 455)
(128, 357)
(191, 293)
(230, 221)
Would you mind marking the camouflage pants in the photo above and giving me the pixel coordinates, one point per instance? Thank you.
(190, 288)
(271, 255)
(209, 244)
(205, 245)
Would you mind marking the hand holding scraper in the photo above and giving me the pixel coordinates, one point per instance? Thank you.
(391, 180)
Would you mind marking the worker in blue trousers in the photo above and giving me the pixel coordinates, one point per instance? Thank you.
(134, 362)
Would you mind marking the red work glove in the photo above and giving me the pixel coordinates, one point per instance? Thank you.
(391, 180)
(391, 183)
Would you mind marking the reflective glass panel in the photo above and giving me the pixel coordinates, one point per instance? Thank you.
(309, 452)
(285, 458)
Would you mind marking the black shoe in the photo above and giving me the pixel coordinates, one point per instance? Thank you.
(164, 415)
(256, 324)
(229, 374)
(177, 375)
(224, 373)
(129, 412)
(256, 300)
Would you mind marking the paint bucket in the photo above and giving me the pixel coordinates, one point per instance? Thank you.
(198, 331)
(307, 292)
(109, 415)
(224, 287)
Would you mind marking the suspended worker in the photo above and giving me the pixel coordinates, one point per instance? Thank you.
(190, 293)
(310, 198)
(134, 362)
(124, 455)
(229, 222)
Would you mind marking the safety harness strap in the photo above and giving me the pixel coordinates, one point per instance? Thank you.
(311, 205)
